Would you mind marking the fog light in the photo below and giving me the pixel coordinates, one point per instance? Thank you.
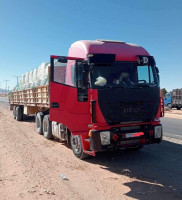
(157, 131)
(115, 137)
(105, 137)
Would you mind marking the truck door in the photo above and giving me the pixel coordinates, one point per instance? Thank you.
(65, 104)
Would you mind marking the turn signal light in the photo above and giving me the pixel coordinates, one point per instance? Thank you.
(90, 133)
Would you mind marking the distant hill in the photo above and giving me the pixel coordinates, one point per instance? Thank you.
(2, 90)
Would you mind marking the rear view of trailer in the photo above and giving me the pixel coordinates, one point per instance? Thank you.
(177, 98)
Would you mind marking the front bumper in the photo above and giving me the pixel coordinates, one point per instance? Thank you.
(124, 137)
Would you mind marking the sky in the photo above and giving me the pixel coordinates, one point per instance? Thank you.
(31, 31)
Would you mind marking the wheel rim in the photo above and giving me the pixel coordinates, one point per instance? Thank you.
(76, 143)
(38, 123)
(45, 126)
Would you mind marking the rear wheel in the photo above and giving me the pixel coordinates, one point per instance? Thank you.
(76, 145)
(19, 113)
(39, 122)
(47, 127)
(178, 108)
(14, 112)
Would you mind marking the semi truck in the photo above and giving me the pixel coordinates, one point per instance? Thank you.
(173, 99)
(104, 95)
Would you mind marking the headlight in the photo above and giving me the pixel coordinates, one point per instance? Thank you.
(158, 131)
(105, 137)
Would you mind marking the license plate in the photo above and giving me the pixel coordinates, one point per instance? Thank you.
(131, 135)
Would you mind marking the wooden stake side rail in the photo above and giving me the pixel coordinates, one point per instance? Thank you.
(38, 96)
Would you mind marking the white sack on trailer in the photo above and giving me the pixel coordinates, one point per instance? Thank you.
(34, 78)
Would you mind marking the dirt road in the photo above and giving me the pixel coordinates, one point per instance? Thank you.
(31, 168)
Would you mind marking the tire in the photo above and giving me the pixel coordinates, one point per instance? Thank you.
(178, 108)
(169, 106)
(77, 148)
(19, 113)
(39, 123)
(14, 112)
(47, 127)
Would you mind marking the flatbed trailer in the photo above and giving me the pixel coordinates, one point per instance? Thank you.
(33, 100)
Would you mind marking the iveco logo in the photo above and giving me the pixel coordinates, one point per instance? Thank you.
(132, 110)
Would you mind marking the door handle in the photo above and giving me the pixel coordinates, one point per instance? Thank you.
(54, 105)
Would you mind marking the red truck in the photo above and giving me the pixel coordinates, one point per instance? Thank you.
(104, 95)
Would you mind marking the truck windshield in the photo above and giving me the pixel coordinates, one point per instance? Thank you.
(167, 95)
(123, 74)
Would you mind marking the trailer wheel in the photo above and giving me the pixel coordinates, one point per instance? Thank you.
(47, 128)
(14, 112)
(77, 148)
(19, 113)
(39, 122)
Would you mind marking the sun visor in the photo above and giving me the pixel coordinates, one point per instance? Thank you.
(101, 58)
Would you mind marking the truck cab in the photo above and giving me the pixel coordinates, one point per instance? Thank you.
(105, 95)
(168, 100)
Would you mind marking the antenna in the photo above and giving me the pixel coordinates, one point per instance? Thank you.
(17, 77)
(6, 86)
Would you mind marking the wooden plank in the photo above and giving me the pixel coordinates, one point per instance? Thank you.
(38, 96)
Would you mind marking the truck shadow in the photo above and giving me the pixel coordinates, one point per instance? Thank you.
(156, 170)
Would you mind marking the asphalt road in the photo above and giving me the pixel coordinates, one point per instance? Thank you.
(172, 127)
(3, 99)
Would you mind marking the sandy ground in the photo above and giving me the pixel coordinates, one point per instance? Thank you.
(31, 168)
(173, 113)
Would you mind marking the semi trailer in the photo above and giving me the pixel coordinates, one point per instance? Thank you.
(104, 95)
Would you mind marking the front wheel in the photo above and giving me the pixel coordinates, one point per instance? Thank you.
(76, 145)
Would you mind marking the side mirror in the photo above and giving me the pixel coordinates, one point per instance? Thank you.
(85, 79)
(62, 59)
(157, 69)
(82, 75)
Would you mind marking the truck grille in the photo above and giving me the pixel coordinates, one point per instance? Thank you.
(132, 111)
